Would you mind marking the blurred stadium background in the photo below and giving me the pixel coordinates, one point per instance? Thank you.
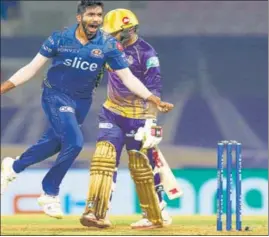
(214, 59)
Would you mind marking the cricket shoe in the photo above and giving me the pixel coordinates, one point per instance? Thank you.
(51, 205)
(145, 223)
(90, 220)
(7, 173)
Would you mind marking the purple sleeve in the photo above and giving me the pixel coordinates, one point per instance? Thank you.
(49, 47)
(152, 72)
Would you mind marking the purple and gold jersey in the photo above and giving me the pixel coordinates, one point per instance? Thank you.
(75, 67)
(144, 64)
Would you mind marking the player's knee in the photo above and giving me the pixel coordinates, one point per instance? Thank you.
(76, 145)
(139, 164)
(74, 141)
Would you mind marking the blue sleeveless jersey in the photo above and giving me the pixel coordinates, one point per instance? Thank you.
(75, 67)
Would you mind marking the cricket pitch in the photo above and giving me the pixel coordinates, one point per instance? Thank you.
(182, 225)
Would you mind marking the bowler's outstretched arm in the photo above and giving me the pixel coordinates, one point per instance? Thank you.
(24, 74)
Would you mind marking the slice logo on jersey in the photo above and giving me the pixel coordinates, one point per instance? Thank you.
(125, 20)
(79, 64)
(119, 46)
(97, 53)
(152, 62)
(66, 109)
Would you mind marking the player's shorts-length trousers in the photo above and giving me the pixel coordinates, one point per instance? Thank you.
(120, 131)
(65, 115)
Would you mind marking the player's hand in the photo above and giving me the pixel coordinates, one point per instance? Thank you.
(150, 134)
(6, 86)
(162, 106)
(165, 107)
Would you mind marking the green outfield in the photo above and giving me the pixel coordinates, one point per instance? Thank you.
(182, 225)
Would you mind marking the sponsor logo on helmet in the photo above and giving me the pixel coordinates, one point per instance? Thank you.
(125, 20)
(97, 53)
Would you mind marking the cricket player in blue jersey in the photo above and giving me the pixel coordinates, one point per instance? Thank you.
(78, 55)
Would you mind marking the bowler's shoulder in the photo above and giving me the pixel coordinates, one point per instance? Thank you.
(106, 38)
(65, 32)
(68, 31)
(58, 34)
(110, 43)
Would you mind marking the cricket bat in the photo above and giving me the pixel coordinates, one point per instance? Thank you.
(169, 182)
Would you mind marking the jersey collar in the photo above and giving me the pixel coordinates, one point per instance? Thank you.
(96, 38)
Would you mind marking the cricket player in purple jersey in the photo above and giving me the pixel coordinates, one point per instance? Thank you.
(78, 55)
(127, 120)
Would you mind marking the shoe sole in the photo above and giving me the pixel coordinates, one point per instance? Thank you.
(56, 217)
(146, 227)
(93, 223)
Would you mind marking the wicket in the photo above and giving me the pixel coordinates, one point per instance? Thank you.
(230, 146)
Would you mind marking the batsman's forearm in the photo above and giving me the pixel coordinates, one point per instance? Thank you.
(6, 86)
(137, 87)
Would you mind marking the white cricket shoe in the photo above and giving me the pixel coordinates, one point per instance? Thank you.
(7, 173)
(51, 205)
(144, 223)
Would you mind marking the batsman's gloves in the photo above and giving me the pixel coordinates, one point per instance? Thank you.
(150, 134)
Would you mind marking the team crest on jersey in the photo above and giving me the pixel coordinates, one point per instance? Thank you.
(97, 53)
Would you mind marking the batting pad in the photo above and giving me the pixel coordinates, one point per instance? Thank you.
(101, 178)
(142, 175)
